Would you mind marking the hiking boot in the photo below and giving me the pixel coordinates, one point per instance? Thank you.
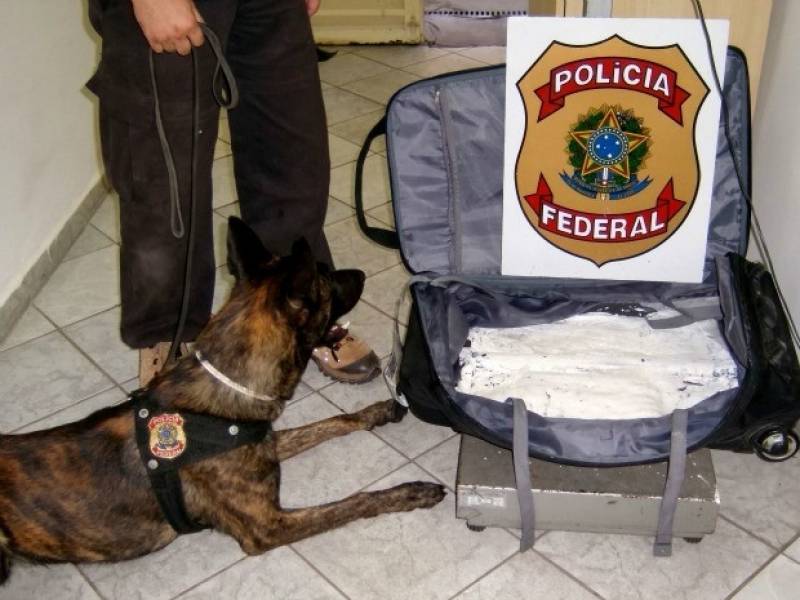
(153, 359)
(346, 358)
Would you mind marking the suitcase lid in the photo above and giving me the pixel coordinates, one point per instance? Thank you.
(445, 153)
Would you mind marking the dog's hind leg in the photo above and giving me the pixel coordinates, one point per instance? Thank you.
(290, 442)
(291, 525)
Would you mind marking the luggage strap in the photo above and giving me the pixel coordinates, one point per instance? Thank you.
(675, 476)
(690, 310)
(678, 440)
(522, 475)
(385, 237)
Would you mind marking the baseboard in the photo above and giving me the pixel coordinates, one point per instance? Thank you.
(19, 300)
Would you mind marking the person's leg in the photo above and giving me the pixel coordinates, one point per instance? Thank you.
(278, 131)
(152, 256)
(280, 150)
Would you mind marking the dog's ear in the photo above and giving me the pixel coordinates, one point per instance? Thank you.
(299, 280)
(347, 286)
(247, 256)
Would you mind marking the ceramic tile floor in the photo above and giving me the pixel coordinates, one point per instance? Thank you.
(64, 360)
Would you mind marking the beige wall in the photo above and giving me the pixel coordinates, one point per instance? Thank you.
(776, 153)
(368, 21)
(48, 158)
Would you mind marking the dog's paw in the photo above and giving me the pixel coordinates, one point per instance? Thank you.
(382, 413)
(422, 494)
(397, 412)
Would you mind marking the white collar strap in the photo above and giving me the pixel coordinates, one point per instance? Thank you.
(224, 379)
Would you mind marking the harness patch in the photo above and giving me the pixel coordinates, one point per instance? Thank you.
(167, 437)
(169, 441)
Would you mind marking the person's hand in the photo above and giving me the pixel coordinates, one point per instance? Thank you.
(170, 25)
(312, 6)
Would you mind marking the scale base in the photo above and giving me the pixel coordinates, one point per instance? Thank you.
(608, 500)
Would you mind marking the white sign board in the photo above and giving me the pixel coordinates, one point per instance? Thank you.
(611, 137)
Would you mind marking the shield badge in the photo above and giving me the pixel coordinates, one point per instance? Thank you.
(608, 167)
(167, 436)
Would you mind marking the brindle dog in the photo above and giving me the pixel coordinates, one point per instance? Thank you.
(80, 492)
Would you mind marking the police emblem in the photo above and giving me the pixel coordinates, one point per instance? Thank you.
(628, 173)
(167, 438)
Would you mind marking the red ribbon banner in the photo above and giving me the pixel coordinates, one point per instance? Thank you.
(618, 72)
(601, 227)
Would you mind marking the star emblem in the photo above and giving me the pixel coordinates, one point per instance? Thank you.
(608, 146)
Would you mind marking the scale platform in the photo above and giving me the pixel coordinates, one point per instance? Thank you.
(609, 500)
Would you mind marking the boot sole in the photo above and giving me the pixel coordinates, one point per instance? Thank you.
(345, 378)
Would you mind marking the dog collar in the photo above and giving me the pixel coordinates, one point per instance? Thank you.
(224, 379)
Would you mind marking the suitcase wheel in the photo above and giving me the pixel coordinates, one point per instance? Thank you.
(692, 540)
(477, 528)
(776, 445)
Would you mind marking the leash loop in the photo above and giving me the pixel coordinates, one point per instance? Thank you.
(226, 93)
(224, 87)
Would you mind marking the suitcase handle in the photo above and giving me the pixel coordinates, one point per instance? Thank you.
(385, 237)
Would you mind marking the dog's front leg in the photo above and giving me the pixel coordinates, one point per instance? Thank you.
(281, 527)
(290, 442)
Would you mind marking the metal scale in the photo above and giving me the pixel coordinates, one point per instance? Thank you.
(608, 500)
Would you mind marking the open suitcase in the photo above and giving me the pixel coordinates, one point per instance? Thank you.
(445, 154)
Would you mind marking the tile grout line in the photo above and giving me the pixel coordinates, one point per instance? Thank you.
(356, 53)
(379, 438)
(791, 542)
(213, 575)
(314, 568)
(481, 577)
(93, 362)
(752, 576)
(436, 477)
(110, 243)
(539, 537)
(33, 339)
(349, 120)
(740, 527)
(86, 356)
(392, 446)
(385, 314)
(66, 408)
(401, 70)
(384, 476)
(438, 445)
(791, 558)
(382, 105)
(776, 553)
(84, 319)
(59, 329)
(445, 52)
(89, 582)
(566, 572)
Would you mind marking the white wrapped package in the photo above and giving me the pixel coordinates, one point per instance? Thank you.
(598, 366)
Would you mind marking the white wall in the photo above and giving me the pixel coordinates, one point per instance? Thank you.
(48, 152)
(776, 149)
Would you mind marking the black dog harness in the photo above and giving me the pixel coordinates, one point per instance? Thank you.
(169, 440)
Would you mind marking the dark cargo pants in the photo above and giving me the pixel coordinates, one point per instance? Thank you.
(279, 139)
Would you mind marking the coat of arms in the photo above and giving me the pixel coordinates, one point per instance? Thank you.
(167, 437)
(625, 174)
